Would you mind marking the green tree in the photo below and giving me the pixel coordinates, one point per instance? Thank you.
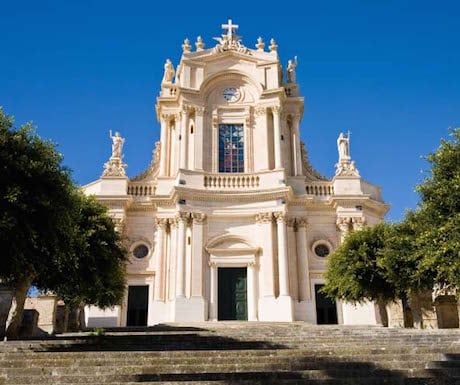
(438, 215)
(355, 271)
(51, 236)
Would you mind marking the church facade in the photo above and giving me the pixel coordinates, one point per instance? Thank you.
(230, 221)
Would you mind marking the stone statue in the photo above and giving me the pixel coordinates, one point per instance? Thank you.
(117, 144)
(292, 64)
(343, 145)
(169, 72)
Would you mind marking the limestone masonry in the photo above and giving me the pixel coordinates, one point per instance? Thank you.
(230, 221)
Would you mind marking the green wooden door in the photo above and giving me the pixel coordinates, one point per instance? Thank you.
(233, 304)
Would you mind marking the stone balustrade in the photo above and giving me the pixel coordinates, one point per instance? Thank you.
(231, 181)
(320, 188)
(141, 189)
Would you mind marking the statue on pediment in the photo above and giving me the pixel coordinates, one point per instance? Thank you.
(290, 70)
(169, 72)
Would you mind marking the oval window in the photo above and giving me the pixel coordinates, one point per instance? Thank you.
(322, 250)
(140, 251)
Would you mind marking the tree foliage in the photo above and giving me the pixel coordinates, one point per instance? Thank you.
(355, 270)
(51, 235)
(438, 214)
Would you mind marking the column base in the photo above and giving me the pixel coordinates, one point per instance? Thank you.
(276, 309)
(305, 311)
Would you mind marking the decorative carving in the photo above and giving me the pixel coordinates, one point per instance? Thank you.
(260, 44)
(273, 46)
(212, 264)
(252, 264)
(290, 221)
(169, 72)
(162, 222)
(230, 41)
(302, 222)
(259, 111)
(308, 169)
(183, 216)
(280, 216)
(343, 224)
(276, 109)
(346, 169)
(358, 223)
(199, 111)
(186, 47)
(173, 222)
(199, 43)
(215, 122)
(290, 70)
(198, 218)
(264, 218)
(154, 165)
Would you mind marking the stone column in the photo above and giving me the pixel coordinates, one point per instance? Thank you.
(160, 260)
(343, 224)
(164, 144)
(252, 292)
(213, 292)
(261, 155)
(277, 136)
(199, 112)
(264, 220)
(172, 260)
(302, 260)
(180, 268)
(282, 254)
(197, 254)
(183, 138)
(296, 147)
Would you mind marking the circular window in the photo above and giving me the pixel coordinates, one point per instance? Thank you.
(322, 250)
(140, 251)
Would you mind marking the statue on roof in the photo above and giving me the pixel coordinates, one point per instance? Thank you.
(117, 144)
(169, 72)
(290, 70)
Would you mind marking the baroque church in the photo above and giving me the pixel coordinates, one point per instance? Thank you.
(230, 221)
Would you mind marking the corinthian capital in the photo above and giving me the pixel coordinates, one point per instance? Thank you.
(183, 216)
(280, 217)
(198, 218)
(161, 222)
(264, 217)
(276, 109)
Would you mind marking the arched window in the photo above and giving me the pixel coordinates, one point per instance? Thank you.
(231, 148)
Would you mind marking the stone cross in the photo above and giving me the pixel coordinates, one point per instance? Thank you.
(230, 27)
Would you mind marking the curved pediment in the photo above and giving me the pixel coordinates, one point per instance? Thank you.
(230, 243)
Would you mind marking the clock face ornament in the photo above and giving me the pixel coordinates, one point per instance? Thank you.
(231, 94)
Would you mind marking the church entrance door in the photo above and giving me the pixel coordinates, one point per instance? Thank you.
(232, 294)
(326, 308)
(138, 304)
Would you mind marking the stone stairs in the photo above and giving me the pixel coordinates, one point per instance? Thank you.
(237, 353)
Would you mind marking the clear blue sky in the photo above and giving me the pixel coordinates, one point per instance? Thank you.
(389, 71)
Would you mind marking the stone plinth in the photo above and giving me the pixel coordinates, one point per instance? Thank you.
(446, 311)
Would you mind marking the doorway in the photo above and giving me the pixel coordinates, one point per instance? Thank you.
(326, 308)
(138, 304)
(232, 294)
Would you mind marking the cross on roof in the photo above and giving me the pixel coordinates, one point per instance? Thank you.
(230, 27)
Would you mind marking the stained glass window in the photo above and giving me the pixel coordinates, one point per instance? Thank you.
(231, 148)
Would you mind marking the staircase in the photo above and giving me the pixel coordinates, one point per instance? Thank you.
(237, 353)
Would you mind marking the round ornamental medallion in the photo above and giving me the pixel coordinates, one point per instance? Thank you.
(322, 250)
(141, 251)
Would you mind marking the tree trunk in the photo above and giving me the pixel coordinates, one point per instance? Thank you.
(14, 321)
(6, 298)
(381, 313)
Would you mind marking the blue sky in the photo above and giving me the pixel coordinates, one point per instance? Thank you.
(388, 71)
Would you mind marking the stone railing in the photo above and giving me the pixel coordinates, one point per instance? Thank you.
(319, 188)
(239, 181)
(141, 189)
